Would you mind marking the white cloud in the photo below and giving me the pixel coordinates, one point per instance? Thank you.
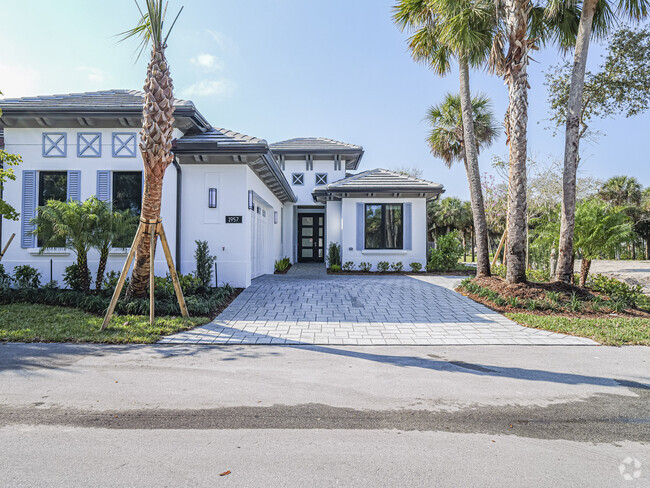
(94, 75)
(206, 61)
(205, 88)
(225, 45)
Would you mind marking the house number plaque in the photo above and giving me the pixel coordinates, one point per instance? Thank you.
(234, 219)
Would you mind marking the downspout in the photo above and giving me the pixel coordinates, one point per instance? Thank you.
(179, 192)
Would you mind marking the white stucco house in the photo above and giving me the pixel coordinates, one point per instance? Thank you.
(252, 201)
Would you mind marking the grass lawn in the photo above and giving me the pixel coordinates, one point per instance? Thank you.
(25, 322)
(611, 331)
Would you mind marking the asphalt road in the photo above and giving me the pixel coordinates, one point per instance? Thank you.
(86, 415)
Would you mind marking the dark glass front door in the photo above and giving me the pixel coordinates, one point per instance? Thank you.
(311, 238)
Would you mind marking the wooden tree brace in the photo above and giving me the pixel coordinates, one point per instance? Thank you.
(155, 229)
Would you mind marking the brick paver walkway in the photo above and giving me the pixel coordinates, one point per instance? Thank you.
(306, 306)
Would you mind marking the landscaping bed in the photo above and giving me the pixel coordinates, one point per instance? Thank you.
(28, 322)
(609, 312)
(458, 272)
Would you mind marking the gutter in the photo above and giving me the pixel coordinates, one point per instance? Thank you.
(179, 194)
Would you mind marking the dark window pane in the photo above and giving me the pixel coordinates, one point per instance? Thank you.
(52, 185)
(373, 226)
(308, 221)
(384, 226)
(127, 191)
(393, 226)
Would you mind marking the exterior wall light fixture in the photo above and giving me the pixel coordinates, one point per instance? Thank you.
(212, 198)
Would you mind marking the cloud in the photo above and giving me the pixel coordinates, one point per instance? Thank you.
(206, 88)
(94, 75)
(223, 43)
(206, 61)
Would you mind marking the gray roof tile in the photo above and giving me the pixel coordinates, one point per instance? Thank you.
(312, 144)
(105, 99)
(381, 180)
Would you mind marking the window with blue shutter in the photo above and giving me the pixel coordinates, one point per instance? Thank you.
(104, 185)
(28, 210)
(361, 224)
(408, 227)
(74, 186)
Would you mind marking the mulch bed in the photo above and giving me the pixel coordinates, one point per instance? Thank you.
(282, 272)
(464, 272)
(537, 291)
(226, 302)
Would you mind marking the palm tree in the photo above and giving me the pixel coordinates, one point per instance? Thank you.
(595, 18)
(113, 229)
(157, 127)
(621, 191)
(70, 225)
(444, 30)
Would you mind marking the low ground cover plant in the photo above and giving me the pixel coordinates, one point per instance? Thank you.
(416, 267)
(348, 266)
(383, 266)
(365, 266)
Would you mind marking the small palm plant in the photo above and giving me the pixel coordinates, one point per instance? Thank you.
(70, 225)
(113, 229)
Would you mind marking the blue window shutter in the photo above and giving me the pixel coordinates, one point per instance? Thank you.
(104, 185)
(74, 186)
(408, 239)
(28, 210)
(361, 224)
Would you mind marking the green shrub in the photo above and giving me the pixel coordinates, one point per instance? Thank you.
(204, 264)
(5, 278)
(499, 301)
(499, 270)
(383, 266)
(26, 276)
(398, 267)
(51, 285)
(538, 275)
(364, 266)
(334, 254)
(281, 265)
(73, 277)
(531, 305)
(615, 289)
(465, 282)
(448, 251)
(416, 267)
(335, 268)
(348, 266)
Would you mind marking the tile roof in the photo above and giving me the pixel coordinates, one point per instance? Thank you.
(381, 180)
(220, 139)
(313, 144)
(105, 99)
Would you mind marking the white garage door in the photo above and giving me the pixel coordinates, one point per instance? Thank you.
(259, 239)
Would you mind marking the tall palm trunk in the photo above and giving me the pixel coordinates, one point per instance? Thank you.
(473, 173)
(155, 145)
(517, 121)
(572, 141)
(101, 268)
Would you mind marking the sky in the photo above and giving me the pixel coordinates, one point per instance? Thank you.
(278, 69)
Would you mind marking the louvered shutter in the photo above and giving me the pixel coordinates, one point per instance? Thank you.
(28, 209)
(361, 224)
(408, 239)
(104, 185)
(74, 186)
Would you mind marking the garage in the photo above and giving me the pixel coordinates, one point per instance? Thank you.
(259, 238)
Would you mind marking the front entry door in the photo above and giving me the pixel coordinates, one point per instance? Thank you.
(311, 238)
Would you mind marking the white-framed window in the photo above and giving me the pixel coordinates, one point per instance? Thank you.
(298, 179)
(321, 178)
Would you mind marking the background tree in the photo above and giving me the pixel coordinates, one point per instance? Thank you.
(621, 191)
(7, 162)
(157, 128)
(600, 230)
(462, 30)
(594, 19)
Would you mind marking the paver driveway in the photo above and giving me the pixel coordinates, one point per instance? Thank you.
(306, 306)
